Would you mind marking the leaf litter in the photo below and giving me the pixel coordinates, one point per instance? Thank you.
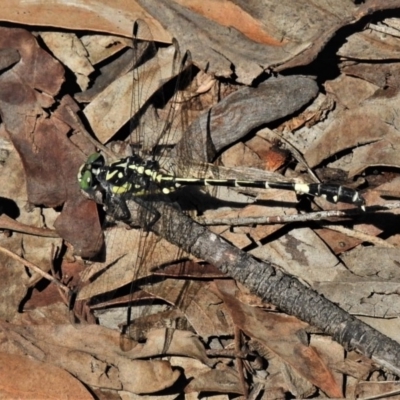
(46, 139)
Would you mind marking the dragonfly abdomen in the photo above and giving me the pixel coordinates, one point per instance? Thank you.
(332, 192)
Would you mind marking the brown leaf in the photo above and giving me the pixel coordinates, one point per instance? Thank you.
(40, 380)
(125, 262)
(204, 310)
(182, 343)
(378, 389)
(50, 160)
(224, 380)
(289, 39)
(8, 57)
(370, 44)
(92, 353)
(115, 18)
(270, 328)
(70, 51)
(338, 242)
(301, 253)
(112, 108)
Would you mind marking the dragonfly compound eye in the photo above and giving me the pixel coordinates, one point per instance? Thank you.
(88, 171)
(86, 179)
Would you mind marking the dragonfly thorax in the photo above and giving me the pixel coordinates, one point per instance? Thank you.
(129, 175)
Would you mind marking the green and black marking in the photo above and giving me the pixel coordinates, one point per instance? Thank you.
(134, 176)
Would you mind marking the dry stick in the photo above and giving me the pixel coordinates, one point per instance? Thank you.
(277, 219)
(10, 224)
(274, 286)
(316, 216)
(282, 219)
(34, 268)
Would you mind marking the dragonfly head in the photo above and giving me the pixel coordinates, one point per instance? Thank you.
(88, 172)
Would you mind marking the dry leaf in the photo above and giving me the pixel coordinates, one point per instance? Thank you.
(40, 380)
(71, 52)
(269, 328)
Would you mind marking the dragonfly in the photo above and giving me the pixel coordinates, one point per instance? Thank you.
(142, 175)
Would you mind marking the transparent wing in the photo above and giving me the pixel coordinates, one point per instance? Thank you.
(157, 116)
(151, 115)
(159, 113)
(160, 103)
